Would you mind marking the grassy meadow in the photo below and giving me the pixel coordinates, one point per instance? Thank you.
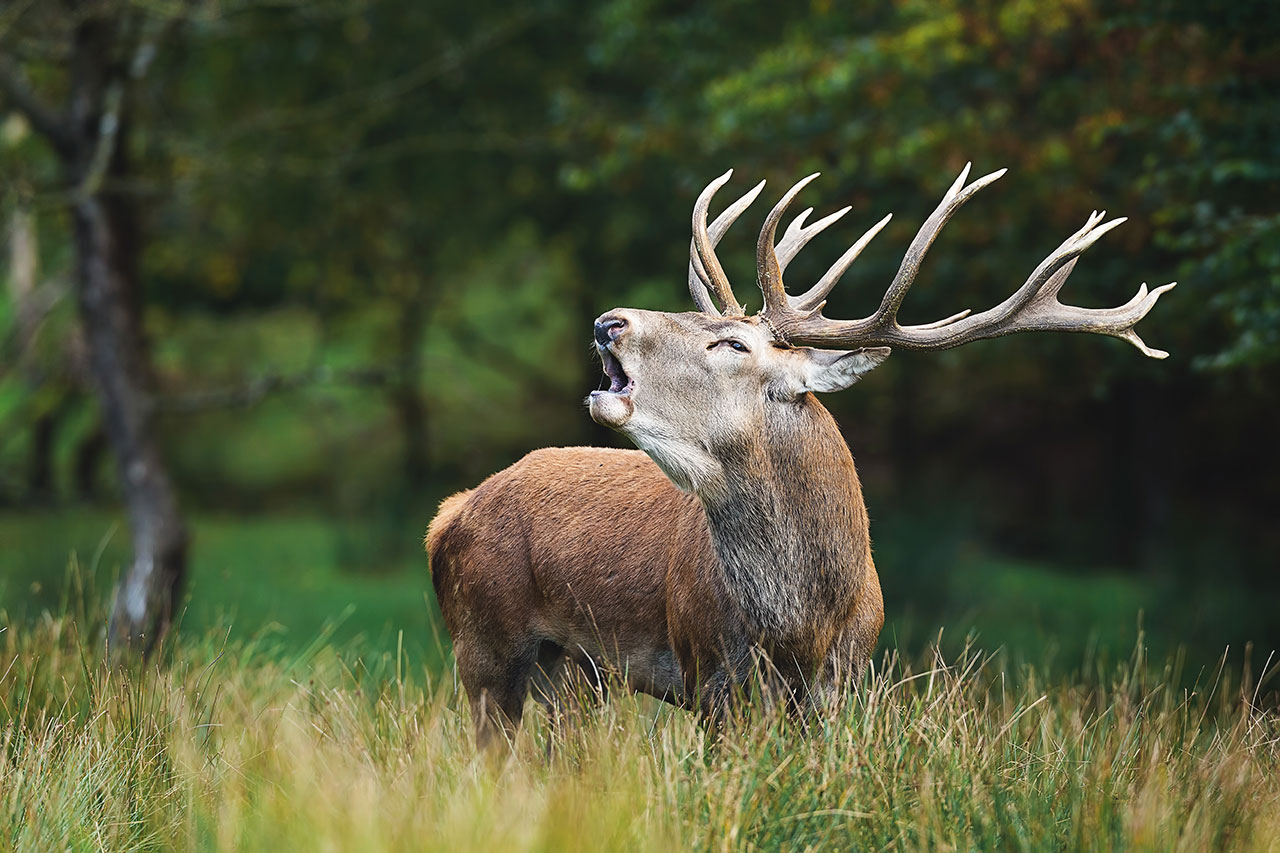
(307, 703)
(229, 747)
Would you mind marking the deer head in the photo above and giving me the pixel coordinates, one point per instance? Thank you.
(693, 388)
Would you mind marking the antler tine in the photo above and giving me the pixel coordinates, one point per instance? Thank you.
(798, 234)
(1032, 307)
(814, 297)
(698, 281)
(1051, 273)
(768, 266)
(704, 249)
(956, 196)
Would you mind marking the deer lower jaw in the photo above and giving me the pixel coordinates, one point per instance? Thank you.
(612, 406)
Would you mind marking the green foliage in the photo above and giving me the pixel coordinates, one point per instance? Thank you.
(451, 194)
(1161, 110)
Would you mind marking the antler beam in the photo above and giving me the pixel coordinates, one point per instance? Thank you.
(1031, 308)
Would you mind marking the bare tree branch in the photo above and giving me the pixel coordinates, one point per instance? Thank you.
(144, 52)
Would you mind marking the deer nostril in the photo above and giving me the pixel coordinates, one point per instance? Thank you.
(608, 329)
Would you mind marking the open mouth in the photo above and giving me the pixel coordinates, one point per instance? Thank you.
(619, 382)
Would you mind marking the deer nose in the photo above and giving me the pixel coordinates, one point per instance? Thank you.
(608, 328)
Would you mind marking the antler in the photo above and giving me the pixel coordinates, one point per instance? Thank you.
(705, 271)
(1033, 307)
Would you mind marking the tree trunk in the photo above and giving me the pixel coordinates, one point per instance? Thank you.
(108, 246)
(108, 51)
(105, 263)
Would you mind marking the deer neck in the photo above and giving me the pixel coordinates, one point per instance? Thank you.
(788, 523)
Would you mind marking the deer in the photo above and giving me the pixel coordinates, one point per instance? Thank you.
(735, 540)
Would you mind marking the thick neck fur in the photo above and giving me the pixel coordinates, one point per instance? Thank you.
(789, 525)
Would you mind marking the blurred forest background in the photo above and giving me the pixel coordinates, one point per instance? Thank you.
(354, 250)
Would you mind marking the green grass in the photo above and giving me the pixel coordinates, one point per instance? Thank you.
(231, 747)
(278, 580)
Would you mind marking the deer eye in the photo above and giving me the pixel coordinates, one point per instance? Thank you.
(738, 346)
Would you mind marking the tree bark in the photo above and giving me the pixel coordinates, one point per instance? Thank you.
(147, 593)
(108, 244)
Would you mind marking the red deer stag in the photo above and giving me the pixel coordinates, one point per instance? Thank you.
(592, 558)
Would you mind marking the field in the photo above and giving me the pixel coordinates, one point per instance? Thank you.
(316, 710)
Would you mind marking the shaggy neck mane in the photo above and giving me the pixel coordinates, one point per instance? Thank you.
(790, 526)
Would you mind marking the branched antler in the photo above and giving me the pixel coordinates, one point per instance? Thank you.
(1032, 307)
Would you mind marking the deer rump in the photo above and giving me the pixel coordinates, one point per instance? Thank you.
(589, 559)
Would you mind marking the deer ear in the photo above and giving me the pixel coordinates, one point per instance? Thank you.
(834, 370)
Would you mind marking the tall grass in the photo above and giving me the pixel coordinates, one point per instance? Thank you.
(228, 746)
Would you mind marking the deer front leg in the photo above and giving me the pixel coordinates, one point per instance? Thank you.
(850, 654)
